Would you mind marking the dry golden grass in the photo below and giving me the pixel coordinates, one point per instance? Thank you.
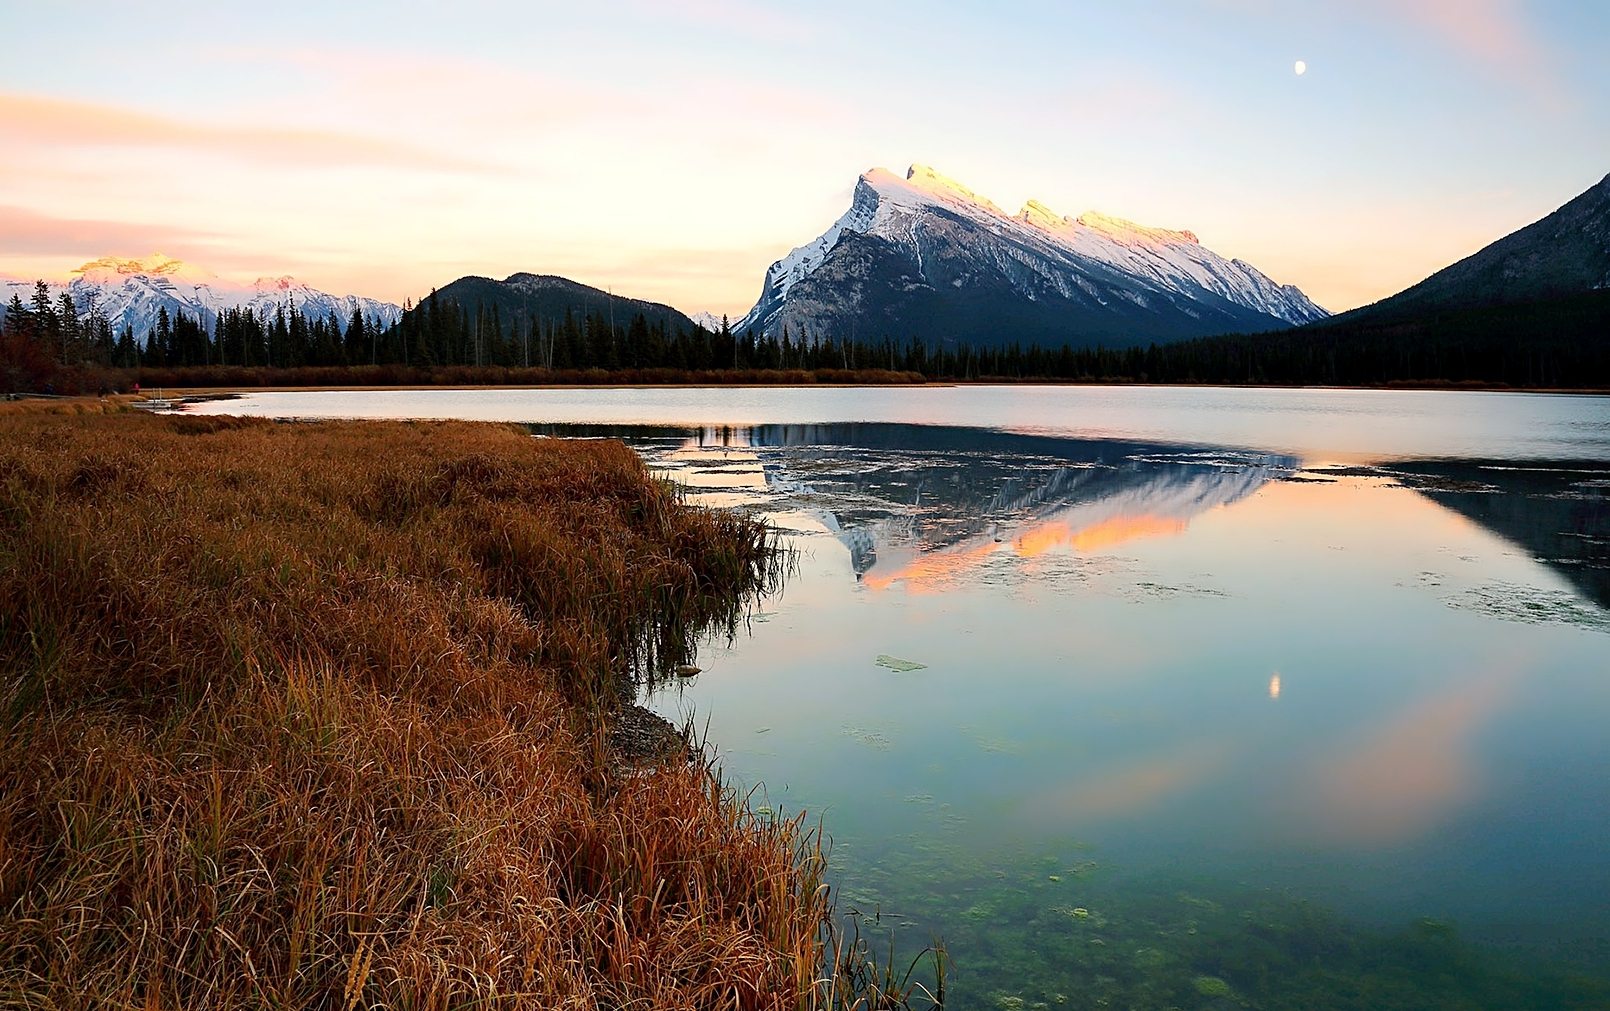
(313, 716)
(67, 405)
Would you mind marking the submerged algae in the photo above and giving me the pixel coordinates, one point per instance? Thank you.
(1101, 941)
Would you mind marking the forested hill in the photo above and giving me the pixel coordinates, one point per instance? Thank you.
(544, 299)
(1553, 342)
(539, 321)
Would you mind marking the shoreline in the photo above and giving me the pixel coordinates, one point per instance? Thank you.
(217, 392)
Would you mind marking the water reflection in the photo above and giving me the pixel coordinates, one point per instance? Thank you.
(927, 505)
(1009, 651)
(1396, 782)
(1558, 513)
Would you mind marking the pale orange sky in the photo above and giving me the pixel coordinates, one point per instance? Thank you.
(672, 150)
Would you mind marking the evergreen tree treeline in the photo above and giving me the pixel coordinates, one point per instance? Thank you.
(1559, 343)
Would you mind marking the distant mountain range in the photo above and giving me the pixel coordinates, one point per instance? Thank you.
(546, 298)
(925, 257)
(130, 292)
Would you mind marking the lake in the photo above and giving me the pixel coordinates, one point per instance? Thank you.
(1152, 697)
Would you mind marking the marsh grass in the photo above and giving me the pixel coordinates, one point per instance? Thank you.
(864, 977)
(316, 716)
(72, 406)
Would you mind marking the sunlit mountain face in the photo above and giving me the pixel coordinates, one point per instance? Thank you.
(924, 256)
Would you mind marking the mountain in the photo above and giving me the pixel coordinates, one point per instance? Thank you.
(924, 256)
(1532, 309)
(1564, 254)
(546, 298)
(129, 293)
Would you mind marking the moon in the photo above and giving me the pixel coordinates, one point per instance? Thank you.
(1301, 68)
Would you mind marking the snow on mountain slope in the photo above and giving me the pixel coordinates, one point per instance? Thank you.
(130, 292)
(925, 250)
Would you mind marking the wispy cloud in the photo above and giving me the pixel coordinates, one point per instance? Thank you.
(29, 120)
(26, 232)
(49, 246)
(1495, 35)
(1495, 31)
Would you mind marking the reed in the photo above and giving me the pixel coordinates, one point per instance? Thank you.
(316, 716)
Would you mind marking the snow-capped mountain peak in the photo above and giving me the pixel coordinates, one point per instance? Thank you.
(156, 265)
(915, 255)
(131, 292)
(923, 178)
(709, 320)
(1130, 233)
(1040, 216)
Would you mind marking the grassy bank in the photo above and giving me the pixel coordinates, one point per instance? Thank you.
(319, 716)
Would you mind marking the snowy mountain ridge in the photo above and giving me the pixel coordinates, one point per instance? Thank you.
(935, 234)
(129, 292)
(709, 320)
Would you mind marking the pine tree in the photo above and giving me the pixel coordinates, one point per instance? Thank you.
(359, 345)
(47, 326)
(156, 342)
(19, 319)
(71, 332)
(127, 353)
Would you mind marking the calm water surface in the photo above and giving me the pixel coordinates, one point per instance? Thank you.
(1328, 424)
(1104, 685)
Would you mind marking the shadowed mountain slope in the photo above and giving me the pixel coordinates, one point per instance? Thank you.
(1564, 254)
(546, 298)
(1532, 309)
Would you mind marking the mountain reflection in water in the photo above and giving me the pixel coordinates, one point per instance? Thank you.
(925, 504)
(1559, 513)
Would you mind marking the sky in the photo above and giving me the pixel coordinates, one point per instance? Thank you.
(672, 149)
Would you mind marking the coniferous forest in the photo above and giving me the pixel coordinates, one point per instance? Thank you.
(55, 346)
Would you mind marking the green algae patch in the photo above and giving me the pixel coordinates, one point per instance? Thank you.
(1212, 986)
(894, 663)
